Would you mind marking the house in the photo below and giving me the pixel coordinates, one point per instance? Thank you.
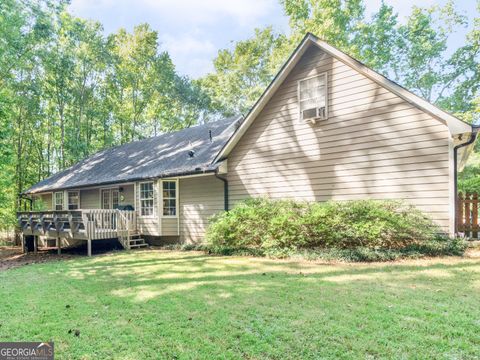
(327, 127)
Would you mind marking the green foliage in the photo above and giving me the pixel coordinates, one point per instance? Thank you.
(434, 248)
(279, 227)
(421, 61)
(67, 91)
(242, 74)
(469, 177)
(39, 205)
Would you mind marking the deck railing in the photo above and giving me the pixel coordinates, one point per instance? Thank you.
(88, 224)
(127, 224)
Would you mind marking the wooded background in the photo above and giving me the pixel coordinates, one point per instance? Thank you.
(68, 90)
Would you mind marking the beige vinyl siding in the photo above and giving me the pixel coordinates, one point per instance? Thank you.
(200, 198)
(169, 226)
(90, 198)
(373, 145)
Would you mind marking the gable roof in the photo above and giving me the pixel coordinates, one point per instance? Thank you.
(455, 125)
(165, 155)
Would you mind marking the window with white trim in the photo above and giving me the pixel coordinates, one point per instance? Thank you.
(312, 98)
(73, 200)
(115, 197)
(146, 199)
(169, 195)
(58, 201)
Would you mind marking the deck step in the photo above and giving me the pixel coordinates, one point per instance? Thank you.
(137, 241)
(132, 246)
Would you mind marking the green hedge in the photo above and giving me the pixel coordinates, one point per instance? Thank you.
(284, 226)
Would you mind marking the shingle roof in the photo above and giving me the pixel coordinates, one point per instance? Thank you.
(160, 156)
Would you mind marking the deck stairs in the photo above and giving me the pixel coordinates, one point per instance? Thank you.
(136, 241)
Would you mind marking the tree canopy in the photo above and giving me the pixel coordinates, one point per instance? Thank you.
(68, 90)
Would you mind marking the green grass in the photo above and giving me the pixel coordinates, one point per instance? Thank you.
(187, 305)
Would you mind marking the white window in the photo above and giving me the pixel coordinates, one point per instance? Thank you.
(106, 199)
(169, 195)
(115, 196)
(58, 201)
(146, 199)
(73, 200)
(110, 198)
(312, 98)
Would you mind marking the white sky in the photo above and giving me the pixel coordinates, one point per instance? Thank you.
(192, 31)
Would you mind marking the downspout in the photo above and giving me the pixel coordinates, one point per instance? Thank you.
(225, 190)
(473, 136)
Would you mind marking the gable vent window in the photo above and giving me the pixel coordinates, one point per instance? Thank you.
(312, 98)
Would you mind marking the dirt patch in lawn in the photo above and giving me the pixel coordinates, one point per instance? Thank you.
(11, 257)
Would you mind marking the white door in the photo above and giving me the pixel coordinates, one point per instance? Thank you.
(106, 199)
(110, 198)
(109, 201)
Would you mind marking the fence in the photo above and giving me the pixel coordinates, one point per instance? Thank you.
(467, 215)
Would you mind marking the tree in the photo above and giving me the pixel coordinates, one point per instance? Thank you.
(68, 91)
(133, 77)
(242, 74)
(24, 29)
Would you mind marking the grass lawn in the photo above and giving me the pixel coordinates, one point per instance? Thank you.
(174, 305)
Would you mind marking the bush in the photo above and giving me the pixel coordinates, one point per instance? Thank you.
(284, 227)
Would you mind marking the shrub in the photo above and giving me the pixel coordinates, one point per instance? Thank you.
(282, 227)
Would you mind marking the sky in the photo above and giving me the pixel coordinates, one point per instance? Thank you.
(193, 31)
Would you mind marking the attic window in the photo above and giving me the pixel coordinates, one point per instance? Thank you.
(312, 98)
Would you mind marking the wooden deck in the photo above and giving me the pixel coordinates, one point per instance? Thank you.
(84, 224)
